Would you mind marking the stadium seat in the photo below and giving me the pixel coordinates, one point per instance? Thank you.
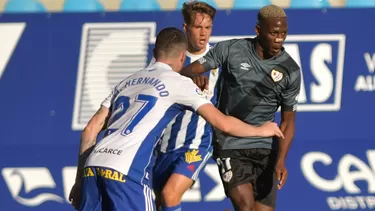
(24, 6)
(309, 4)
(360, 3)
(139, 5)
(181, 2)
(247, 4)
(82, 5)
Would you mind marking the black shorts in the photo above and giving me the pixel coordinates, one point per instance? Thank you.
(254, 166)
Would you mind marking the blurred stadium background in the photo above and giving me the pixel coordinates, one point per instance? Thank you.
(60, 58)
(9, 6)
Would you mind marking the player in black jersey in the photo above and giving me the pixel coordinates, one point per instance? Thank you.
(258, 76)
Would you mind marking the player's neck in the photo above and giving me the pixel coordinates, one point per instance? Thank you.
(260, 51)
(195, 51)
(170, 63)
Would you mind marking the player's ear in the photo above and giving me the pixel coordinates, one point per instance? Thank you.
(183, 57)
(257, 29)
(185, 26)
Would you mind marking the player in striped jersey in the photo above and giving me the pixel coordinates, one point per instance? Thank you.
(117, 171)
(186, 145)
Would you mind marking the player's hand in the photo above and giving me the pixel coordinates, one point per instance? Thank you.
(201, 81)
(270, 129)
(281, 173)
(75, 195)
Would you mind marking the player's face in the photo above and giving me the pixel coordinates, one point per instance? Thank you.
(199, 32)
(272, 33)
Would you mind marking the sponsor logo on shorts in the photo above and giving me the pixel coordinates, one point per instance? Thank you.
(106, 173)
(192, 156)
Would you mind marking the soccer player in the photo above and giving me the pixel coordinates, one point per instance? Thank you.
(186, 145)
(257, 77)
(117, 171)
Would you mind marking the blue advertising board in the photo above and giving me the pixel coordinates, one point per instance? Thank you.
(55, 69)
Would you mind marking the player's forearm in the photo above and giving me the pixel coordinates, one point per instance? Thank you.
(288, 128)
(88, 141)
(192, 70)
(236, 127)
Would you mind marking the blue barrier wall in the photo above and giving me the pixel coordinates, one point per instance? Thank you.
(55, 69)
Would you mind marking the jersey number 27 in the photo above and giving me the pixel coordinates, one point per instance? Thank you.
(122, 104)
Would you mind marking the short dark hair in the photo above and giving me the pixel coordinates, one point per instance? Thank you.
(190, 9)
(170, 42)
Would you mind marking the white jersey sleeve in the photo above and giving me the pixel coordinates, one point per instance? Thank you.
(110, 99)
(189, 94)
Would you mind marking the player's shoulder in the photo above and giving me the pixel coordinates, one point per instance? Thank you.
(289, 63)
(242, 41)
(232, 42)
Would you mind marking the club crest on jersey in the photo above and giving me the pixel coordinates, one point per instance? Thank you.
(276, 75)
(214, 71)
(192, 156)
(227, 176)
(199, 92)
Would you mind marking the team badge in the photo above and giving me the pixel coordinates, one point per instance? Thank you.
(276, 75)
(214, 71)
(199, 92)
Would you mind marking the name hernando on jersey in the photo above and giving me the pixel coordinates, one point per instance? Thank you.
(158, 84)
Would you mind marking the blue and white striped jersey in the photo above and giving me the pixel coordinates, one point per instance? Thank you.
(142, 106)
(188, 129)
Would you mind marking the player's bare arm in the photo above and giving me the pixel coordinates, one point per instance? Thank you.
(88, 140)
(215, 58)
(287, 126)
(236, 127)
(192, 69)
(89, 135)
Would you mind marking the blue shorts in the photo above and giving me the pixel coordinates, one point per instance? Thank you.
(107, 189)
(188, 162)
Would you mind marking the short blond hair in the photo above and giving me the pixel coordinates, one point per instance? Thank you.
(271, 11)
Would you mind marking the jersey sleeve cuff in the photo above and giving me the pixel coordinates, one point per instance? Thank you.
(106, 103)
(289, 108)
(200, 103)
